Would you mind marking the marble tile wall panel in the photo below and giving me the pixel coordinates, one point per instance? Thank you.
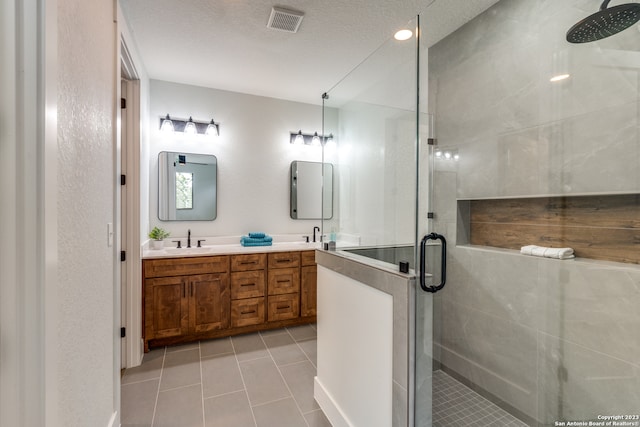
(575, 383)
(497, 355)
(594, 305)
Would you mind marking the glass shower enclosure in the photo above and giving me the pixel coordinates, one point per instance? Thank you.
(500, 135)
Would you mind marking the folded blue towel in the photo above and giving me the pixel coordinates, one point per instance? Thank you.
(257, 235)
(262, 243)
(247, 239)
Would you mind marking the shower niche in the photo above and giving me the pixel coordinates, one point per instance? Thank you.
(601, 227)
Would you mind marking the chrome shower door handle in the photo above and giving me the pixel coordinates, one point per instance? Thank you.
(443, 262)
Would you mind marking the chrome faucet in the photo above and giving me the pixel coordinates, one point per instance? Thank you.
(314, 232)
(188, 238)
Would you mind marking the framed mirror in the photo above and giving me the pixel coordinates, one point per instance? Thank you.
(311, 190)
(187, 187)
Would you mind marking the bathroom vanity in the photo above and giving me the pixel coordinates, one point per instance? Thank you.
(193, 297)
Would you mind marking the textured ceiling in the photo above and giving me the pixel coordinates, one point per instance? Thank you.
(225, 44)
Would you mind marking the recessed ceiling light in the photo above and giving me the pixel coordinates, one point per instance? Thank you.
(559, 77)
(403, 35)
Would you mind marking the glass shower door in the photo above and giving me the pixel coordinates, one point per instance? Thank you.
(378, 138)
(537, 144)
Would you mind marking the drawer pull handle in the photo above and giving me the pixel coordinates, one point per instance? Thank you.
(247, 312)
(284, 281)
(283, 260)
(282, 307)
(247, 262)
(248, 284)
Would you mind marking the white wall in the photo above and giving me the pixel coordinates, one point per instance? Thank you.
(86, 95)
(253, 152)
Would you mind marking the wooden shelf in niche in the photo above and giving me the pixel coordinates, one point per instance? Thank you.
(596, 227)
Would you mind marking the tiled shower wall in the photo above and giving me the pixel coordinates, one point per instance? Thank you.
(556, 340)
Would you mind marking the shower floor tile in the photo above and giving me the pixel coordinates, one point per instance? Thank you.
(455, 404)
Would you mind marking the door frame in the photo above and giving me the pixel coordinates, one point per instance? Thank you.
(130, 238)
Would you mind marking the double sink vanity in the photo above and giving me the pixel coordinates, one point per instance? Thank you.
(223, 290)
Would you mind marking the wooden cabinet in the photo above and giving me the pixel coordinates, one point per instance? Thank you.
(166, 308)
(308, 284)
(308, 290)
(179, 302)
(192, 298)
(209, 299)
(182, 305)
(283, 287)
(248, 289)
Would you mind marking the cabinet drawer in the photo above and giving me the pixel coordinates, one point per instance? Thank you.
(247, 284)
(282, 307)
(247, 312)
(185, 266)
(308, 257)
(248, 262)
(284, 281)
(284, 259)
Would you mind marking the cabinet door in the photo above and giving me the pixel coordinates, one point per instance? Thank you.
(247, 284)
(283, 307)
(166, 308)
(284, 260)
(247, 262)
(308, 290)
(209, 302)
(283, 281)
(245, 312)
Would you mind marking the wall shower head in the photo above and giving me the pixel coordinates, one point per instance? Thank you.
(604, 23)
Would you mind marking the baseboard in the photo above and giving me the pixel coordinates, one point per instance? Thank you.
(328, 405)
(112, 421)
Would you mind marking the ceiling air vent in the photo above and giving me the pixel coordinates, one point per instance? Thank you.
(285, 20)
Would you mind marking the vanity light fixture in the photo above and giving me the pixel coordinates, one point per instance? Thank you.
(447, 154)
(166, 125)
(299, 138)
(190, 126)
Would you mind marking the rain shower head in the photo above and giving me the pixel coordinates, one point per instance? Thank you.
(604, 23)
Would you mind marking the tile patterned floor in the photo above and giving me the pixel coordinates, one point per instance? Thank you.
(454, 404)
(258, 380)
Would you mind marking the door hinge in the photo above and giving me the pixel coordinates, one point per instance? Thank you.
(123, 103)
(430, 215)
(123, 179)
(123, 255)
(431, 141)
(123, 332)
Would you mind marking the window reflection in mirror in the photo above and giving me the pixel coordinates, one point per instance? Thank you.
(187, 187)
(184, 190)
(311, 190)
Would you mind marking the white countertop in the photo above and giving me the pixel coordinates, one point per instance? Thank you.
(226, 249)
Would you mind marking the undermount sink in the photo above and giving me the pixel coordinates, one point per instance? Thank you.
(187, 251)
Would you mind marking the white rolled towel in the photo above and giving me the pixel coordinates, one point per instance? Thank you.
(542, 251)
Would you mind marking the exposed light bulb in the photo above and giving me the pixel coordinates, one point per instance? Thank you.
(438, 153)
(456, 157)
(316, 139)
(403, 35)
(190, 127)
(299, 138)
(447, 155)
(167, 124)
